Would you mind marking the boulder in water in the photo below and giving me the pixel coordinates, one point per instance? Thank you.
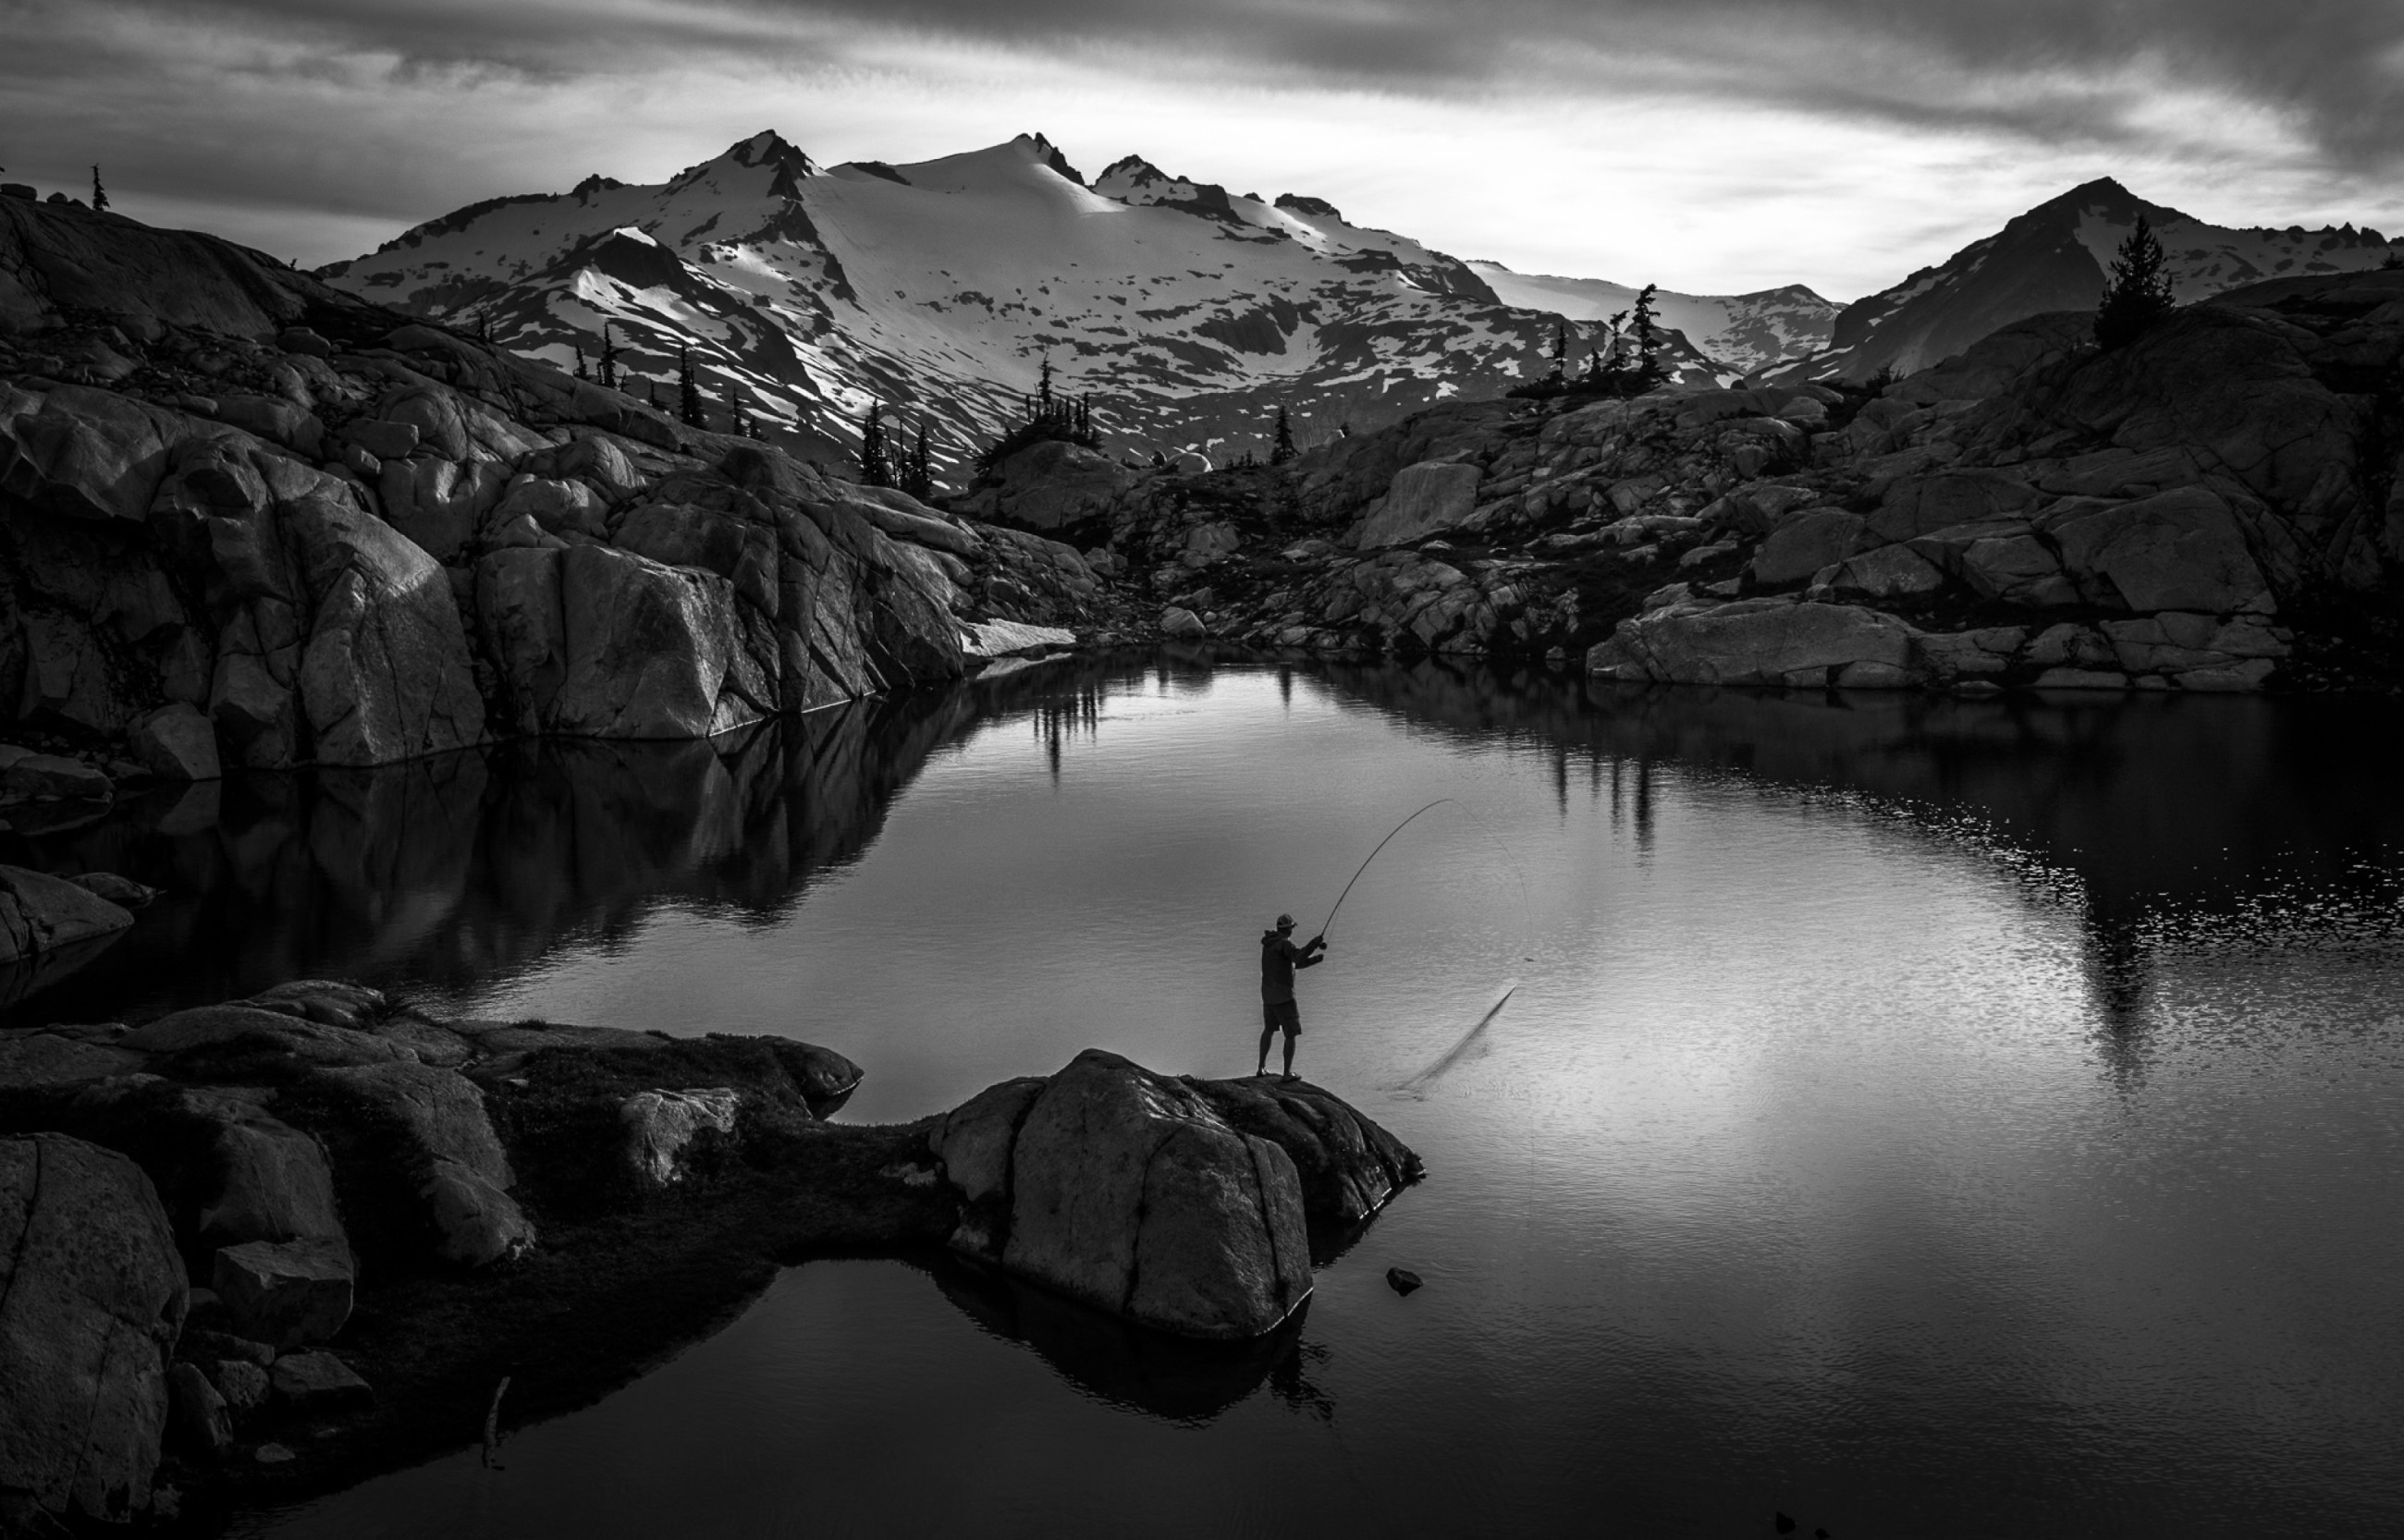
(1149, 1197)
(40, 913)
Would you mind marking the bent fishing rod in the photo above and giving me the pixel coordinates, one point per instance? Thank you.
(1372, 856)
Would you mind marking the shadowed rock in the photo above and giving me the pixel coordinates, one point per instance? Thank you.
(91, 1294)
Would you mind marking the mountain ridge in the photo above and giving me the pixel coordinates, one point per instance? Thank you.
(940, 288)
(2057, 257)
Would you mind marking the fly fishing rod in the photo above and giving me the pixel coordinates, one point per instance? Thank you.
(1372, 856)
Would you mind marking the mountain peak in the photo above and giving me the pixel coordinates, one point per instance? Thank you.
(768, 147)
(1317, 207)
(1049, 154)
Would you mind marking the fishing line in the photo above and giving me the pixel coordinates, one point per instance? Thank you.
(1415, 1085)
(1451, 1056)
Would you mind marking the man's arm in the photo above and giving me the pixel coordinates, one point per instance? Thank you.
(1311, 954)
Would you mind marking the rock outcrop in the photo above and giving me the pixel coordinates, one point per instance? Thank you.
(1181, 1205)
(294, 528)
(41, 915)
(345, 1193)
(91, 1297)
(2032, 513)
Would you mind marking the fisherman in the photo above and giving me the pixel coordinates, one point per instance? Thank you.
(1279, 957)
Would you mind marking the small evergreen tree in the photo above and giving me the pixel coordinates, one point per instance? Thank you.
(99, 193)
(1043, 386)
(1282, 447)
(2139, 293)
(580, 364)
(741, 426)
(609, 359)
(1560, 348)
(1649, 371)
(875, 470)
(688, 389)
(918, 468)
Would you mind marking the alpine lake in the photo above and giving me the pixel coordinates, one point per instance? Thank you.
(1922, 1117)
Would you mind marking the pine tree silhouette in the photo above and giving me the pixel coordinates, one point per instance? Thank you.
(875, 470)
(580, 364)
(688, 389)
(741, 426)
(608, 358)
(2139, 293)
(1281, 445)
(1560, 348)
(918, 468)
(99, 193)
(1649, 371)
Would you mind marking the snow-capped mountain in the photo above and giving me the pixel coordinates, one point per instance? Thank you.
(1744, 331)
(1188, 315)
(2056, 258)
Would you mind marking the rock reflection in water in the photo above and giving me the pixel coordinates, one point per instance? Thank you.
(450, 872)
(1179, 1379)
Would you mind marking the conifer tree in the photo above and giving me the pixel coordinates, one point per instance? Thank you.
(688, 389)
(608, 358)
(580, 364)
(1649, 371)
(2139, 293)
(99, 193)
(1561, 347)
(1282, 447)
(918, 468)
(875, 470)
(741, 426)
(1043, 386)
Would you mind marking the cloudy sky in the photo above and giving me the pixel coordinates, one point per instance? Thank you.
(1711, 145)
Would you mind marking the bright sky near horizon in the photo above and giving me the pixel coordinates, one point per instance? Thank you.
(1711, 145)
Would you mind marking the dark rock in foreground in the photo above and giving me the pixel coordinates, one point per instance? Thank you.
(316, 1205)
(90, 1308)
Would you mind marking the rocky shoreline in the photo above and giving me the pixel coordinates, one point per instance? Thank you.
(254, 522)
(264, 1248)
(2214, 508)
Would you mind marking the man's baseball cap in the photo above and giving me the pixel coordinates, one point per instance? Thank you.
(1285, 921)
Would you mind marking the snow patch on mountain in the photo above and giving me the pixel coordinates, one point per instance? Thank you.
(1744, 331)
(938, 288)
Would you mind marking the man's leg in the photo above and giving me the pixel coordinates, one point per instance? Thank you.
(1292, 1031)
(1266, 1032)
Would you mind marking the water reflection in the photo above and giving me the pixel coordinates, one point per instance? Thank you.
(1954, 1117)
(456, 871)
(1172, 1377)
(451, 871)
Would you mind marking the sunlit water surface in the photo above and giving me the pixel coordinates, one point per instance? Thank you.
(1924, 1119)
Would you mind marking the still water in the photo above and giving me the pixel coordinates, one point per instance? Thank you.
(1924, 1118)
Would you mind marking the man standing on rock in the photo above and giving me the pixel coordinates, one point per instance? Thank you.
(1279, 957)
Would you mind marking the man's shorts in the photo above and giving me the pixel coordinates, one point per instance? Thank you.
(1281, 1012)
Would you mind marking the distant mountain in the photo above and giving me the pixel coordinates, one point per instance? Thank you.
(1744, 331)
(2056, 258)
(1189, 314)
